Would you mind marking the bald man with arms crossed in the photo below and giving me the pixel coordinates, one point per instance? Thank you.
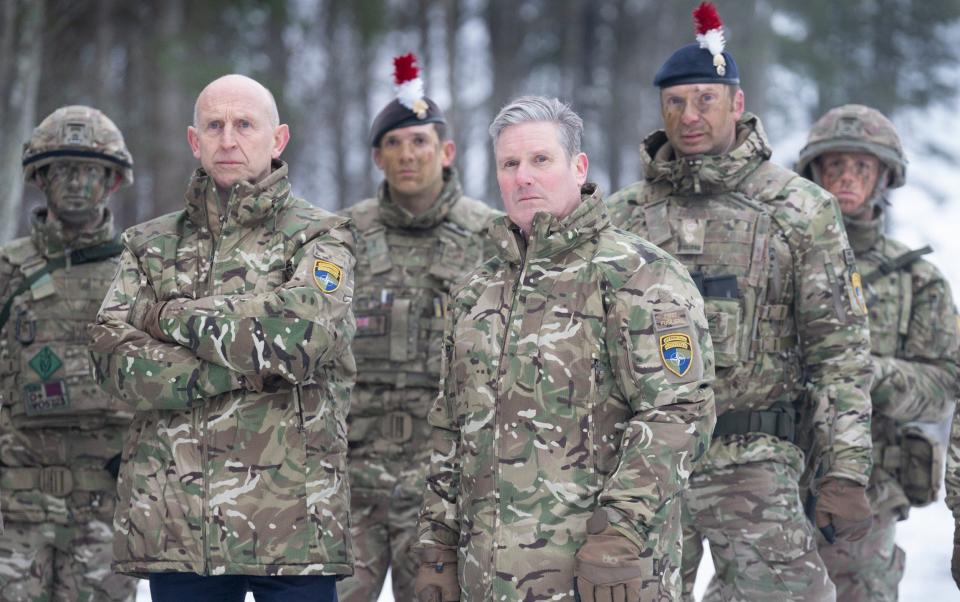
(227, 329)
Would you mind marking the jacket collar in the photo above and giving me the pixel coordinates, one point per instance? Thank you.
(249, 203)
(52, 240)
(864, 234)
(706, 174)
(396, 216)
(550, 236)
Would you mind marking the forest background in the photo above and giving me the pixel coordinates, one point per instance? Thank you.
(329, 64)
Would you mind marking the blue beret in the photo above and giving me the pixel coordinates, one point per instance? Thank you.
(395, 116)
(694, 65)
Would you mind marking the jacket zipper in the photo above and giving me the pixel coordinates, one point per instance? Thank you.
(299, 401)
(496, 415)
(206, 491)
(592, 404)
(204, 430)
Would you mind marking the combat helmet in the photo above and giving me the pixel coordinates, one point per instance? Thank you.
(855, 128)
(77, 132)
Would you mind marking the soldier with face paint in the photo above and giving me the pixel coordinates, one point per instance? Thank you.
(855, 153)
(780, 285)
(60, 436)
(415, 240)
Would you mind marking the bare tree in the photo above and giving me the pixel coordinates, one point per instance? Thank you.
(18, 105)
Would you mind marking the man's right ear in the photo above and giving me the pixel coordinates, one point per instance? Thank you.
(377, 159)
(193, 141)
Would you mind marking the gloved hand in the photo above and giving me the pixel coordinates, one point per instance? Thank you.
(844, 505)
(436, 579)
(151, 322)
(608, 565)
(955, 561)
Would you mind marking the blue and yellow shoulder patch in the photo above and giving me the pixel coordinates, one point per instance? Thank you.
(327, 275)
(676, 352)
(857, 302)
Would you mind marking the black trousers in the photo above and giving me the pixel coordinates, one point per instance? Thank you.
(191, 587)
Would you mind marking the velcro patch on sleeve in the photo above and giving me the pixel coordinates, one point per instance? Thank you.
(670, 320)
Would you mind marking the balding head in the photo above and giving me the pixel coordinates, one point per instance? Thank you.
(236, 131)
(231, 84)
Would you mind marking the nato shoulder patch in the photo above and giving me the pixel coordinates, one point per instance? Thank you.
(327, 275)
(676, 352)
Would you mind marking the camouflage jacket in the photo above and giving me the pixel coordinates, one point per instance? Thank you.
(952, 479)
(234, 463)
(780, 287)
(57, 428)
(575, 375)
(406, 266)
(915, 350)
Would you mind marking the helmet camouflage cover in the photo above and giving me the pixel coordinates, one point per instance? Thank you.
(855, 128)
(77, 132)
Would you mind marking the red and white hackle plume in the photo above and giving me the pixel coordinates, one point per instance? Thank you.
(710, 33)
(406, 75)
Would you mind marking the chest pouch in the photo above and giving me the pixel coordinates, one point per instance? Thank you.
(724, 243)
(921, 465)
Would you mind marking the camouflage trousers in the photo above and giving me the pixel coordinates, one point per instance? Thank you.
(41, 562)
(383, 527)
(762, 544)
(868, 570)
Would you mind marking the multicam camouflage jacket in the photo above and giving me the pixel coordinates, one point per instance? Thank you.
(406, 266)
(235, 461)
(952, 479)
(915, 348)
(57, 428)
(575, 375)
(781, 291)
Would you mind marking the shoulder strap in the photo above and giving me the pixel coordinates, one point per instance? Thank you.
(367, 218)
(373, 236)
(470, 214)
(897, 263)
(766, 182)
(78, 257)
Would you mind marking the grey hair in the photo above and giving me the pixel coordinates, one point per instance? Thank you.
(540, 108)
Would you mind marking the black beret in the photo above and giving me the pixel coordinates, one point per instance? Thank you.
(395, 115)
(694, 65)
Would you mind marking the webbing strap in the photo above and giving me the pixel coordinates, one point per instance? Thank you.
(778, 423)
(897, 263)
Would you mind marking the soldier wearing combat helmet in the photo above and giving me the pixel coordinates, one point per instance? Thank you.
(788, 323)
(60, 435)
(855, 153)
(414, 240)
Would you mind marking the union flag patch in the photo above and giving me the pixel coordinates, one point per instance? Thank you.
(676, 352)
(327, 275)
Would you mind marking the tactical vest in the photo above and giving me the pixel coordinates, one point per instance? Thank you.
(741, 260)
(907, 453)
(45, 372)
(403, 279)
